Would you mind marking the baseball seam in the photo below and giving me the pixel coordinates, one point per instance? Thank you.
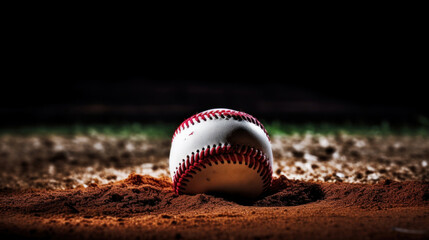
(222, 154)
(216, 114)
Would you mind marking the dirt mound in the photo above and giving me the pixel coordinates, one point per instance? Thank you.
(145, 207)
(134, 195)
(385, 194)
(136, 179)
(144, 194)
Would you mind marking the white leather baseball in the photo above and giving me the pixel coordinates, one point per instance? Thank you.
(221, 151)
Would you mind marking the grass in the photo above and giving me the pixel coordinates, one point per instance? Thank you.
(165, 130)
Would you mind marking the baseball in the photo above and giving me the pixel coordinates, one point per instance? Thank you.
(221, 151)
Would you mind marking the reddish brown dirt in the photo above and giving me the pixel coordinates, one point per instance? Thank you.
(143, 207)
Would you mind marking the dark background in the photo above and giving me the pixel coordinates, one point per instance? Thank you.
(115, 97)
(357, 75)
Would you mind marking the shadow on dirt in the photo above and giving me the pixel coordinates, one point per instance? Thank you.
(283, 192)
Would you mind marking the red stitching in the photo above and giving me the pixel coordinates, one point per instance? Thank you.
(251, 157)
(225, 114)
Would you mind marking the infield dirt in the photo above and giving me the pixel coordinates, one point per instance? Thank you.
(338, 188)
(142, 207)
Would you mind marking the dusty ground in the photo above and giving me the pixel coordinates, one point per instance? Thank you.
(57, 162)
(336, 187)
